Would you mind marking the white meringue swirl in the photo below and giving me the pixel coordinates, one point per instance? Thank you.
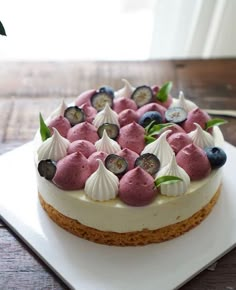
(187, 105)
(107, 115)
(106, 144)
(160, 148)
(59, 111)
(201, 138)
(176, 188)
(102, 185)
(126, 91)
(54, 148)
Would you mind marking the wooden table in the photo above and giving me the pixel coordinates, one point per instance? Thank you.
(29, 88)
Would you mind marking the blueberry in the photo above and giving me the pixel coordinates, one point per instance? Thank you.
(74, 115)
(150, 116)
(216, 156)
(47, 168)
(176, 115)
(108, 90)
(142, 95)
(99, 100)
(111, 129)
(116, 164)
(149, 162)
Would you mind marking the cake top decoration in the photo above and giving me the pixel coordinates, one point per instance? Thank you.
(136, 135)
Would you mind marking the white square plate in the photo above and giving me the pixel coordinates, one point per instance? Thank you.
(86, 265)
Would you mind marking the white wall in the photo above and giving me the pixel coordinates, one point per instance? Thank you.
(194, 28)
(117, 29)
(225, 40)
(75, 29)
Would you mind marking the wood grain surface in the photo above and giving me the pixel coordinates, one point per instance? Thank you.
(29, 88)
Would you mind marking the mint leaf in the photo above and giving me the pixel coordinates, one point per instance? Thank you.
(149, 126)
(156, 129)
(162, 94)
(149, 139)
(215, 122)
(167, 179)
(44, 130)
(2, 29)
(153, 130)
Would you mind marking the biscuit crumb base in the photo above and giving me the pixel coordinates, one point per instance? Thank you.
(136, 238)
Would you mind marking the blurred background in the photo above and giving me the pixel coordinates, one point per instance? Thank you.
(117, 30)
(56, 49)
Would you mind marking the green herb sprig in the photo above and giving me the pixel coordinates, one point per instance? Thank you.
(166, 179)
(44, 130)
(162, 94)
(2, 29)
(153, 130)
(215, 122)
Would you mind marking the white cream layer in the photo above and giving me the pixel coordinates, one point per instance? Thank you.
(115, 216)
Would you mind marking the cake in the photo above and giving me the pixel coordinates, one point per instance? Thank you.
(129, 167)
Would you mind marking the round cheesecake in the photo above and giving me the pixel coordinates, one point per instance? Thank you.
(114, 222)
